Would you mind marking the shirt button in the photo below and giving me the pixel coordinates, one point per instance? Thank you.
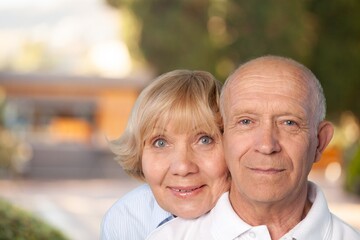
(252, 234)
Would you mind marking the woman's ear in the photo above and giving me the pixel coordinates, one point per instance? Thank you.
(325, 134)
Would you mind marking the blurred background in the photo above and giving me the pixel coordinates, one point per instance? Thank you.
(70, 72)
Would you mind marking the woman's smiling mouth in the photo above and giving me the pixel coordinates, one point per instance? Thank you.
(186, 191)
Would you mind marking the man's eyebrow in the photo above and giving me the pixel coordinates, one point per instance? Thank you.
(243, 110)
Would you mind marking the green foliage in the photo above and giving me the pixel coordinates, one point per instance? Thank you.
(336, 57)
(268, 27)
(352, 182)
(16, 224)
(217, 35)
(174, 34)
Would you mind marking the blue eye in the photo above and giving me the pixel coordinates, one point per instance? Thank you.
(159, 143)
(245, 121)
(290, 123)
(206, 140)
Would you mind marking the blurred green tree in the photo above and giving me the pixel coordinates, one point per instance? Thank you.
(216, 35)
(336, 56)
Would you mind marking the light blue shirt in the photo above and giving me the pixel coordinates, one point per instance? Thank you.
(134, 216)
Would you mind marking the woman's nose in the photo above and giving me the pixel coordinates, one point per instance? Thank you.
(183, 161)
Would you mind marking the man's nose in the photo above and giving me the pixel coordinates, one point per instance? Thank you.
(183, 162)
(267, 139)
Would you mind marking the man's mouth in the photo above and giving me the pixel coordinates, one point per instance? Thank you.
(267, 170)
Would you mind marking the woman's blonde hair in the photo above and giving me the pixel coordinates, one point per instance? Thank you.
(190, 98)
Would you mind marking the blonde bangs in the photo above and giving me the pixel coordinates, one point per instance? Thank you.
(185, 117)
(187, 106)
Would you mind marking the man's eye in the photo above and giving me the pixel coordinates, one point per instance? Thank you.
(290, 123)
(206, 140)
(159, 143)
(245, 121)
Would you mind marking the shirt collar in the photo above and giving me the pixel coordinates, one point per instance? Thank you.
(316, 224)
(223, 211)
(159, 215)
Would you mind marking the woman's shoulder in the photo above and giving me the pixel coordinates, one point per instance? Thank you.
(140, 196)
(133, 206)
(138, 193)
(133, 216)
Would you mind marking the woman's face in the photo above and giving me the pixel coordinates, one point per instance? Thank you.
(186, 171)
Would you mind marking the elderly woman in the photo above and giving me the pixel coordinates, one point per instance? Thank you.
(173, 143)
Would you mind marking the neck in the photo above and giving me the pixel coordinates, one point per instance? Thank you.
(279, 216)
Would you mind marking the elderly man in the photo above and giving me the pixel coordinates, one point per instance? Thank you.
(274, 130)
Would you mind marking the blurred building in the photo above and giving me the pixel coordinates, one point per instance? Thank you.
(67, 120)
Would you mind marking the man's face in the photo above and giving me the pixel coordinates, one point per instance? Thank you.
(270, 139)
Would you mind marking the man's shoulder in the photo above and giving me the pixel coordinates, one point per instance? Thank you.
(342, 230)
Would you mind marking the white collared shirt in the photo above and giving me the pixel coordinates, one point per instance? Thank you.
(222, 223)
(133, 216)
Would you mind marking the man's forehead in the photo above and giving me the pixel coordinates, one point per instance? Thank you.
(269, 72)
(269, 76)
(279, 106)
(265, 85)
(268, 85)
(269, 67)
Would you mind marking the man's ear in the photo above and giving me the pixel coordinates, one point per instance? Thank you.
(325, 134)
